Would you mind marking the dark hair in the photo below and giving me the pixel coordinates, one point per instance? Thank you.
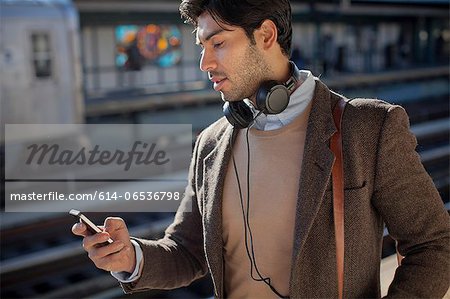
(247, 14)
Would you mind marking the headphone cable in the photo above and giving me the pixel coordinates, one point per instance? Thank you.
(246, 220)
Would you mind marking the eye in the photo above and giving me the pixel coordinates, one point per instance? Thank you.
(218, 45)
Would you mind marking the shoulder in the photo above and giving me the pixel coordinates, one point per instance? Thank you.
(367, 109)
(372, 105)
(373, 111)
(365, 120)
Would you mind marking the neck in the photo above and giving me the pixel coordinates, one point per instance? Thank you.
(281, 70)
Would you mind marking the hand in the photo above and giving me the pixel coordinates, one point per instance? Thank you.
(118, 256)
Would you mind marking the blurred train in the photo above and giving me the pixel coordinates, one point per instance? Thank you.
(112, 56)
(40, 64)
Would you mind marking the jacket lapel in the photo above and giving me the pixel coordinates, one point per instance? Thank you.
(214, 170)
(317, 164)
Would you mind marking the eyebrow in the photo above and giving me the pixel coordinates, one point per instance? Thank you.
(209, 36)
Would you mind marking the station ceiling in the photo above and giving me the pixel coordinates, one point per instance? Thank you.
(118, 11)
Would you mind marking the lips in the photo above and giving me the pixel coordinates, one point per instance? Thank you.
(218, 83)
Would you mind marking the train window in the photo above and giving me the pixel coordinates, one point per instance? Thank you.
(41, 54)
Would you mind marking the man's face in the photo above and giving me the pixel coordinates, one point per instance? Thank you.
(234, 64)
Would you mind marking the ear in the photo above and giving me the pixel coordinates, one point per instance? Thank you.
(267, 34)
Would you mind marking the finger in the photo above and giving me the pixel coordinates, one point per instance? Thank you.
(92, 241)
(104, 251)
(114, 224)
(122, 260)
(79, 229)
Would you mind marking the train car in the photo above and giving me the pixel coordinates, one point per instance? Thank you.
(40, 66)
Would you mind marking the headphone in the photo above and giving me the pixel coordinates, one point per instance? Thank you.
(272, 97)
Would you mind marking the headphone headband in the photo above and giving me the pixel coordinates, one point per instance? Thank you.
(295, 80)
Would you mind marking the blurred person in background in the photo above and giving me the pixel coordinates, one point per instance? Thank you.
(260, 191)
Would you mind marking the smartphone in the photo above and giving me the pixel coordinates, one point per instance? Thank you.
(91, 227)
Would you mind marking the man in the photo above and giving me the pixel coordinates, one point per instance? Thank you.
(269, 232)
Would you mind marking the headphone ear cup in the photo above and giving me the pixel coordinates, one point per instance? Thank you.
(238, 114)
(272, 97)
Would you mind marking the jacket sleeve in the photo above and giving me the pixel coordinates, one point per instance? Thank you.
(413, 212)
(177, 259)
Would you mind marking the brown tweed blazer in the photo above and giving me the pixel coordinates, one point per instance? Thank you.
(384, 183)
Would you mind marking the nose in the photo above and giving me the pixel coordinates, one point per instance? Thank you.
(207, 61)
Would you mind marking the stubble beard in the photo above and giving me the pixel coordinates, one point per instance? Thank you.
(250, 72)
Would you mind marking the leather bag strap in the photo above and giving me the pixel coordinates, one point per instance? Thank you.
(338, 193)
(338, 196)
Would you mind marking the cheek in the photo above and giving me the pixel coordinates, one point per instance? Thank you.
(232, 62)
(221, 58)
